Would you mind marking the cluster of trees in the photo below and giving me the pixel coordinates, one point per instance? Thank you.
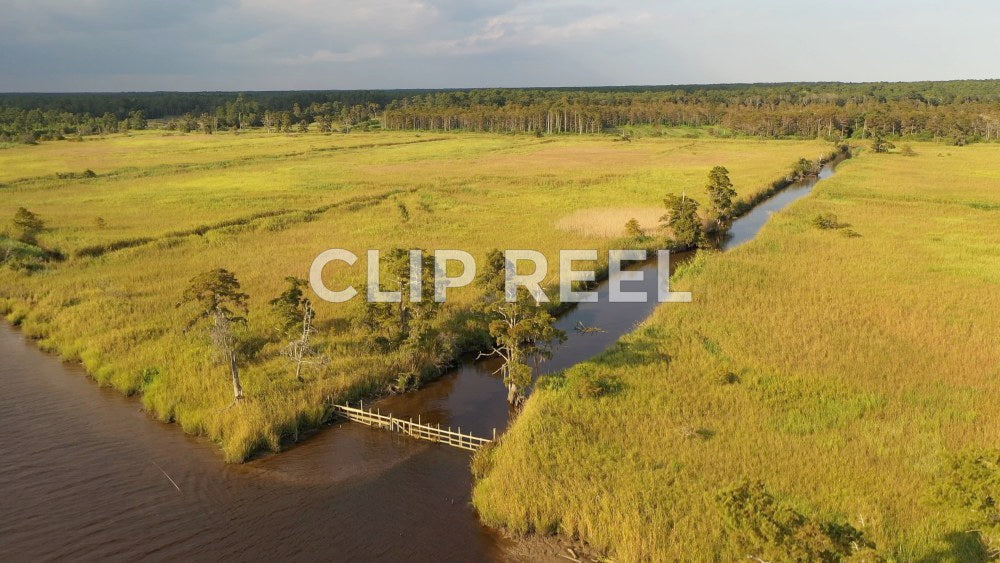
(33, 117)
(963, 110)
(682, 218)
(407, 328)
(220, 307)
(32, 125)
(245, 112)
(521, 332)
(162, 105)
(687, 227)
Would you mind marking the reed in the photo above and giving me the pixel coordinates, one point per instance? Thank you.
(263, 206)
(843, 369)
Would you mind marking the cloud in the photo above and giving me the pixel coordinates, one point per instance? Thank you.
(532, 28)
(47, 20)
(316, 44)
(341, 16)
(359, 53)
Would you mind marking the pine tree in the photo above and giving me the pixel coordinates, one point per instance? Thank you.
(219, 300)
(29, 224)
(720, 192)
(682, 218)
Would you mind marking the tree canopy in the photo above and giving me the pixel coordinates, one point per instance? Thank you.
(29, 224)
(682, 218)
(720, 192)
(960, 110)
(218, 298)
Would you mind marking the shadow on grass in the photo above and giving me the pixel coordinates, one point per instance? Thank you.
(962, 546)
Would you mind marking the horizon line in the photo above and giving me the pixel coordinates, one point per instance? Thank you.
(471, 88)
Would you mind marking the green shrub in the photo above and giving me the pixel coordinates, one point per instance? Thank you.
(552, 381)
(729, 378)
(482, 461)
(29, 224)
(22, 256)
(634, 230)
(880, 145)
(588, 385)
(805, 167)
(773, 531)
(827, 221)
(971, 481)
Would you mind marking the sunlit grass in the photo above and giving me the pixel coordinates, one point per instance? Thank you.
(115, 311)
(840, 370)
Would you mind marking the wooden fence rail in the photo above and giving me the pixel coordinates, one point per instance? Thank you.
(432, 433)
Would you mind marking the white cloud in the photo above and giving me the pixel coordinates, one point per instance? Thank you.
(534, 28)
(359, 53)
(342, 16)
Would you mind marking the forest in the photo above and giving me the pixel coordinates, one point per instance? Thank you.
(956, 111)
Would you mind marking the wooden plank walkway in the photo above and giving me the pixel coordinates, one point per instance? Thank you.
(432, 433)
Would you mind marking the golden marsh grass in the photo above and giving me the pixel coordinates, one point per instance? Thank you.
(263, 206)
(842, 371)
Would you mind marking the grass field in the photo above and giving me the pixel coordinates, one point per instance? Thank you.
(845, 369)
(159, 209)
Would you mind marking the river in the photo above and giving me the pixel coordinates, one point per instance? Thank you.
(86, 474)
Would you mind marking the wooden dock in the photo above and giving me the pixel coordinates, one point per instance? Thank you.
(414, 429)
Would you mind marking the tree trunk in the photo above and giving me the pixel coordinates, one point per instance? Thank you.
(237, 386)
(512, 394)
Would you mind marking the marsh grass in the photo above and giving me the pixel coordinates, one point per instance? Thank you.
(845, 373)
(263, 207)
(610, 222)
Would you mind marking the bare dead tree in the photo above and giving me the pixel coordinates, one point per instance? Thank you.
(300, 351)
(298, 324)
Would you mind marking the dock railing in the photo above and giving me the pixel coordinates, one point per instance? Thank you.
(415, 429)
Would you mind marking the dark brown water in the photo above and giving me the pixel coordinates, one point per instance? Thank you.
(85, 474)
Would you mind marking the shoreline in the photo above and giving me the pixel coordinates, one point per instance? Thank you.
(306, 431)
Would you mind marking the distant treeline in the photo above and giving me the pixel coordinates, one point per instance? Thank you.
(27, 117)
(159, 105)
(962, 111)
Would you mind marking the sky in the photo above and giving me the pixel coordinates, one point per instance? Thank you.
(195, 45)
